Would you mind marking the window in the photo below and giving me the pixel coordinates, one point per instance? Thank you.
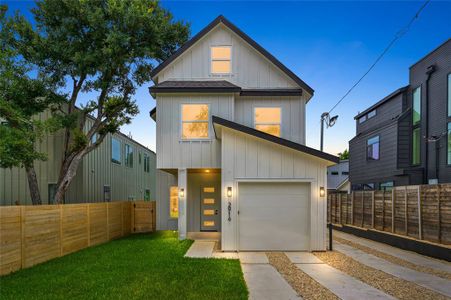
(128, 155)
(139, 157)
(221, 57)
(147, 195)
(449, 95)
(367, 116)
(174, 202)
(146, 163)
(416, 106)
(373, 148)
(267, 119)
(334, 173)
(371, 114)
(116, 150)
(449, 143)
(106, 193)
(416, 146)
(195, 121)
(345, 173)
(362, 119)
(386, 186)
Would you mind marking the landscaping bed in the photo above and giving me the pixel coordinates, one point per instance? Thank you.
(144, 266)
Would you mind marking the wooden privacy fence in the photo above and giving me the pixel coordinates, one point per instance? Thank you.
(422, 212)
(34, 234)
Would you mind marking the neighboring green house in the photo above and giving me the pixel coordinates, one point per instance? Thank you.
(119, 169)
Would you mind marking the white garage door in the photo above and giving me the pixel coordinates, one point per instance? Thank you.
(274, 216)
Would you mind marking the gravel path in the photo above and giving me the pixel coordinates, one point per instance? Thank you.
(395, 260)
(303, 284)
(390, 284)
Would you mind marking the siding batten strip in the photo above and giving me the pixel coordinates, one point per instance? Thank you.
(372, 209)
(420, 221)
(393, 201)
(406, 215)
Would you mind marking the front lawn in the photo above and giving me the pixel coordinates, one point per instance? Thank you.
(145, 266)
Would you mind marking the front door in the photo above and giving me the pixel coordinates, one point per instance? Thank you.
(210, 205)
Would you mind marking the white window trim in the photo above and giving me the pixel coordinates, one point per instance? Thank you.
(269, 123)
(231, 61)
(181, 122)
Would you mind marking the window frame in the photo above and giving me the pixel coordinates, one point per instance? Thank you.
(146, 162)
(208, 122)
(211, 60)
(448, 143)
(272, 123)
(127, 163)
(448, 84)
(119, 162)
(416, 126)
(421, 102)
(379, 147)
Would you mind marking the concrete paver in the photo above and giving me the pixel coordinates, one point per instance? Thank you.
(303, 258)
(228, 255)
(341, 284)
(264, 282)
(431, 282)
(201, 249)
(253, 258)
(412, 257)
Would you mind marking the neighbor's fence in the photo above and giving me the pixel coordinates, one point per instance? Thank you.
(34, 234)
(422, 212)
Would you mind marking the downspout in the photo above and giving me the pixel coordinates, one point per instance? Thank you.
(429, 71)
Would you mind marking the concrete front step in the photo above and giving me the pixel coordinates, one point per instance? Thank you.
(201, 249)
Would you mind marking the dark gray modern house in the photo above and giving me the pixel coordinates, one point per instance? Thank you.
(405, 138)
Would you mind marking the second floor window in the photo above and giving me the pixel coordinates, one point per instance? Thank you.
(128, 155)
(449, 143)
(449, 95)
(268, 119)
(116, 150)
(195, 121)
(221, 59)
(416, 106)
(146, 163)
(372, 148)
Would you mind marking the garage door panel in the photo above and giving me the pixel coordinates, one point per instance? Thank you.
(274, 216)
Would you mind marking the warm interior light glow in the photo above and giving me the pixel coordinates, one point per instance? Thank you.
(268, 119)
(322, 192)
(195, 121)
(221, 59)
(173, 202)
(182, 193)
(207, 171)
(229, 191)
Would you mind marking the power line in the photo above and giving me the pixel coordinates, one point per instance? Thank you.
(397, 36)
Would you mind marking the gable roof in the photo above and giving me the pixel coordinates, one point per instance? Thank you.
(274, 139)
(385, 99)
(249, 40)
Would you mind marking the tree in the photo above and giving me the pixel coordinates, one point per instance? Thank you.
(104, 47)
(21, 98)
(344, 155)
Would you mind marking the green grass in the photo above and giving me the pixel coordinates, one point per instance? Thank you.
(145, 266)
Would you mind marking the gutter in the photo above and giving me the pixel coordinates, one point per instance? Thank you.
(430, 70)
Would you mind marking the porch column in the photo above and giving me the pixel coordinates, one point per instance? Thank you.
(182, 184)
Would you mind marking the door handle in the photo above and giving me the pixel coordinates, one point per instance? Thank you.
(216, 211)
(229, 209)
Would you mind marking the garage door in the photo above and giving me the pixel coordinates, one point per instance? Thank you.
(274, 216)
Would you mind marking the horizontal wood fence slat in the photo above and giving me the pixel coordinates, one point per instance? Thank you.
(421, 211)
(34, 234)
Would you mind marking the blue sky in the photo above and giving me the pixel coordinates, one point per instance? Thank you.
(327, 44)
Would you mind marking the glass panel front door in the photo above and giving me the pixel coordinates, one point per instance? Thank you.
(210, 214)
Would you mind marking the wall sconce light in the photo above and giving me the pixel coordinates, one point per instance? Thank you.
(322, 192)
(182, 193)
(229, 191)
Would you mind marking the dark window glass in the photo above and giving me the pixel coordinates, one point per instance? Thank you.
(334, 173)
(344, 173)
(449, 95)
(373, 148)
(416, 146)
(386, 186)
(449, 143)
(128, 156)
(416, 104)
(371, 114)
(146, 163)
(362, 119)
(147, 195)
(116, 150)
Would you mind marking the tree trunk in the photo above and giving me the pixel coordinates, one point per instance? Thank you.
(33, 185)
(67, 174)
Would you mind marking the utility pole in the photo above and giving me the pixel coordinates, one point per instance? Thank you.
(325, 117)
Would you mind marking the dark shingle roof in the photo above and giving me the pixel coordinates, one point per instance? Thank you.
(194, 86)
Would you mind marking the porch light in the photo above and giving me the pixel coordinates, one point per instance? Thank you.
(322, 192)
(182, 193)
(229, 191)
(207, 171)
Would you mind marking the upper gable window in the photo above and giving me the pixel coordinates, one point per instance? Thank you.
(221, 59)
(268, 119)
(195, 121)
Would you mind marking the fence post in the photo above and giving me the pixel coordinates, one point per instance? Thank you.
(439, 214)
(406, 215)
(107, 223)
(363, 208)
(372, 209)
(420, 221)
(339, 207)
(393, 201)
(383, 210)
(22, 236)
(88, 217)
(352, 207)
(61, 229)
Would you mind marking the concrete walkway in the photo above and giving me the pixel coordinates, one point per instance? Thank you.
(412, 257)
(431, 282)
(264, 282)
(303, 258)
(201, 249)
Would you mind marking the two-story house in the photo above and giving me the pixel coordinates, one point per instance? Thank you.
(231, 157)
(405, 138)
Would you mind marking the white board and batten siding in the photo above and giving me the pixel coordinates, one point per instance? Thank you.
(247, 159)
(250, 69)
(176, 153)
(292, 114)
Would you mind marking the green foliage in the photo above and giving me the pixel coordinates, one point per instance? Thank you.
(143, 266)
(344, 155)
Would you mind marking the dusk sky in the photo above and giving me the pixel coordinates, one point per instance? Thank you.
(329, 45)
